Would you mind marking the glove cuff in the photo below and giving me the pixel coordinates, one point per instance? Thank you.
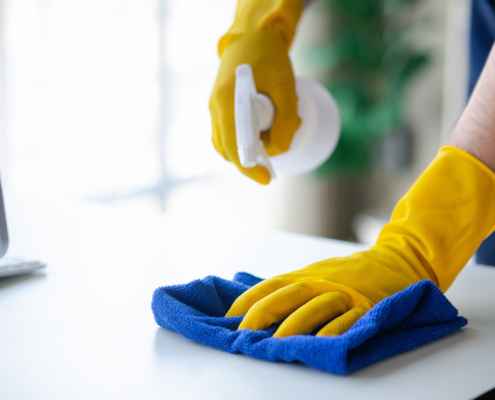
(440, 222)
(278, 17)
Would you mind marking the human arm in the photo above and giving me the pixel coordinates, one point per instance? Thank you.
(475, 131)
(434, 230)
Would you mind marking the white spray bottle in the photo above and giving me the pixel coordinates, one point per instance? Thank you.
(311, 145)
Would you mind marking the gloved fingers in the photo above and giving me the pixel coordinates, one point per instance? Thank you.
(343, 323)
(225, 143)
(278, 305)
(257, 173)
(217, 140)
(251, 296)
(314, 313)
(220, 117)
(286, 122)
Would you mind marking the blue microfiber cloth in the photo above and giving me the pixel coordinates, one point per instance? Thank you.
(402, 322)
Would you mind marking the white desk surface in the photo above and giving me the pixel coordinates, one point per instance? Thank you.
(84, 329)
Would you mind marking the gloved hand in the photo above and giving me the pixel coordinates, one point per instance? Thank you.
(261, 36)
(434, 230)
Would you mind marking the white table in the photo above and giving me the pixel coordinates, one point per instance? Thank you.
(84, 329)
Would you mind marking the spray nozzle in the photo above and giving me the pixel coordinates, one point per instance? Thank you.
(254, 113)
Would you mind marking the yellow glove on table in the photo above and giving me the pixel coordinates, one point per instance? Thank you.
(434, 230)
(261, 36)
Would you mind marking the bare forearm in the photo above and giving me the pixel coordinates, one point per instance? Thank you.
(475, 131)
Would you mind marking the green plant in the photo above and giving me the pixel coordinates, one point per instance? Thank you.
(371, 61)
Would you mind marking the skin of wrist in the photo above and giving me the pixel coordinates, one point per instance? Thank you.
(475, 132)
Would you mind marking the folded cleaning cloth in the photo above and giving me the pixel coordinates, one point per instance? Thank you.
(402, 322)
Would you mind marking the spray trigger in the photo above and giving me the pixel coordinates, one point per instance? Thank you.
(312, 143)
(254, 113)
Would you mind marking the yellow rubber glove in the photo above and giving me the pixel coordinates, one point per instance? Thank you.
(434, 230)
(261, 36)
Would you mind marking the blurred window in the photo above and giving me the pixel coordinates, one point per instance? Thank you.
(107, 99)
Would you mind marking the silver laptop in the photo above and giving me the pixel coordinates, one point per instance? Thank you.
(12, 266)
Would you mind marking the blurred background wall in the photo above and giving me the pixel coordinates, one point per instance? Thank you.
(107, 100)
